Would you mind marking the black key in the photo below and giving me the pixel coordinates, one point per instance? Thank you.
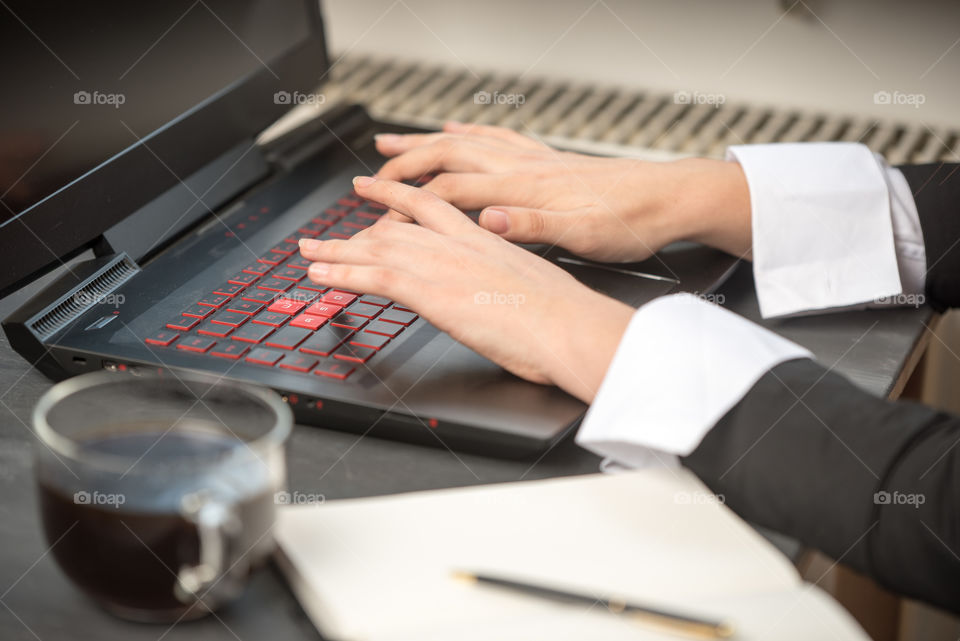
(305, 295)
(370, 299)
(354, 353)
(366, 310)
(288, 337)
(263, 356)
(366, 339)
(297, 263)
(335, 369)
(325, 340)
(274, 319)
(229, 289)
(213, 300)
(258, 269)
(348, 320)
(161, 338)
(312, 229)
(259, 295)
(386, 329)
(289, 273)
(245, 306)
(198, 311)
(242, 278)
(286, 248)
(183, 323)
(252, 333)
(232, 351)
(299, 362)
(209, 328)
(356, 222)
(341, 231)
(394, 315)
(196, 343)
(273, 258)
(275, 284)
(226, 317)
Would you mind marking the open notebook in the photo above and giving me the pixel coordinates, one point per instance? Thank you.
(380, 568)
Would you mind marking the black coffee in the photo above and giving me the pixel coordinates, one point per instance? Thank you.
(122, 538)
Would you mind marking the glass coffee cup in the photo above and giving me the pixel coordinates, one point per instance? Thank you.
(157, 492)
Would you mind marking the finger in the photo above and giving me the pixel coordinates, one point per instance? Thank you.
(471, 191)
(444, 155)
(393, 144)
(508, 135)
(420, 205)
(525, 225)
(370, 279)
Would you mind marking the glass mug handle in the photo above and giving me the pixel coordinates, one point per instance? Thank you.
(218, 527)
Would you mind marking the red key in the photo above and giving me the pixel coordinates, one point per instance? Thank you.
(336, 297)
(354, 354)
(308, 321)
(286, 306)
(373, 341)
(323, 309)
(162, 338)
(232, 351)
(262, 356)
(184, 323)
(298, 362)
(196, 344)
(335, 369)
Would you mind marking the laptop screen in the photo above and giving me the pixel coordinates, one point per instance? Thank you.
(87, 82)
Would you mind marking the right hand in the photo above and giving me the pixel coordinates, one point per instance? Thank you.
(604, 209)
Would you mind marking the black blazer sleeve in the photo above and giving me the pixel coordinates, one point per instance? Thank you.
(872, 483)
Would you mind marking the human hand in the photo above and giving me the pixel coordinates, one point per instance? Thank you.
(605, 209)
(517, 309)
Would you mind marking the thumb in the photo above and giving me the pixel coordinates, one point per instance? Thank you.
(523, 225)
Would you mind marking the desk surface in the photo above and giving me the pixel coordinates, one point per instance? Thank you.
(876, 349)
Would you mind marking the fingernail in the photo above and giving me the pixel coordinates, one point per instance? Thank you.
(309, 244)
(390, 139)
(318, 270)
(363, 181)
(495, 220)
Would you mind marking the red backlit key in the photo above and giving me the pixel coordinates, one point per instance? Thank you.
(364, 309)
(229, 289)
(350, 202)
(394, 315)
(183, 323)
(198, 311)
(262, 356)
(297, 263)
(289, 273)
(242, 278)
(213, 301)
(230, 350)
(373, 341)
(226, 317)
(275, 285)
(370, 299)
(258, 295)
(371, 216)
(252, 333)
(336, 297)
(286, 248)
(209, 328)
(313, 229)
(274, 319)
(308, 321)
(325, 340)
(354, 354)
(386, 329)
(257, 269)
(196, 344)
(298, 362)
(287, 338)
(323, 309)
(286, 306)
(244, 306)
(273, 258)
(346, 320)
(335, 369)
(162, 338)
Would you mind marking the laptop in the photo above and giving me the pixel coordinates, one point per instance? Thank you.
(131, 169)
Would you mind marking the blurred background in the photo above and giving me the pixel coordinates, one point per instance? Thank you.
(660, 79)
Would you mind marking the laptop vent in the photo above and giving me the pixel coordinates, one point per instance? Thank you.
(80, 300)
(612, 120)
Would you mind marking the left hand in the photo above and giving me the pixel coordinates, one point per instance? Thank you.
(509, 305)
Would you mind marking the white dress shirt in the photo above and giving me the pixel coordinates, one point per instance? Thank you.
(833, 228)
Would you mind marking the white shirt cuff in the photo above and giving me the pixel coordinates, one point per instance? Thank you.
(682, 364)
(823, 233)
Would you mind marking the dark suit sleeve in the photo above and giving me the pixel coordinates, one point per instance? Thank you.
(936, 190)
(874, 484)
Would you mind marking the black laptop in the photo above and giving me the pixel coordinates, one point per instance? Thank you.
(129, 166)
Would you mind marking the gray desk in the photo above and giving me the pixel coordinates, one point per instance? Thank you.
(876, 349)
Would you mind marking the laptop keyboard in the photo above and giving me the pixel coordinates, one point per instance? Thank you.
(270, 314)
